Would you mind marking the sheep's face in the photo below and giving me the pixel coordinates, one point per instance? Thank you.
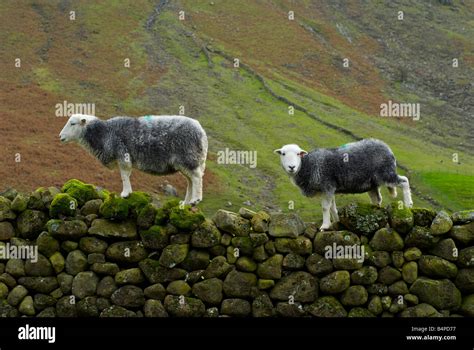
(290, 157)
(74, 128)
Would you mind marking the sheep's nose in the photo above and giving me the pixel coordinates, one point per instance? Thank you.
(292, 167)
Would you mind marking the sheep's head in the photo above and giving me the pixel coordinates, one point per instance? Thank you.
(290, 157)
(74, 128)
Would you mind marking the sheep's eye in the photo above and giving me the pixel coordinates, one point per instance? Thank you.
(72, 124)
(283, 154)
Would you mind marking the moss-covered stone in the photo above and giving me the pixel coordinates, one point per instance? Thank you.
(235, 307)
(421, 237)
(92, 207)
(386, 239)
(76, 261)
(106, 287)
(467, 306)
(412, 254)
(375, 305)
(69, 246)
(26, 306)
(129, 276)
(6, 231)
(260, 221)
(206, 235)
(209, 291)
(66, 230)
(107, 268)
(366, 275)
(137, 201)
(240, 284)
(196, 260)
(163, 213)
(262, 306)
(293, 261)
(42, 301)
(117, 311)
(20, 203)
(380, 258)
(442, 294)
(318, 265)
(466, 257)
(359, 312)
(421, 310)
(65, 282)
(178, 288)
(154, 308)
(6, 212)
(244, 245)
(286, 225)
(80, 191)
(180, 306)
(441, 224)
(246, 264)
(114, 208)
(258, 239)
(155, 291)
(264, 284)
(91, 245)
(126, 252)
(463, 233)
(15, 267)
(156, 237)
(335, 282)
(47, 244)
(39, 284)
(231, 223)
(329, 238)
(410, 272)
(30, 223)
(389, 275)
(62, 205)
(300, 286)
(34, 200)
(446, 249)
(398, 288)
(173, 254)
(423, 216)
(16, 295)
(108, 229)
(459, 217)
(287, 310)
(246, 213)
(57, 262)
(465, 280)
(271, 268)
(217, 267)
(186, 218)
(400, 217)
(146, 216)
(85, 284)
(434, 266)
(363, 218)
(128, 296)
(354, 296)
(326, 306)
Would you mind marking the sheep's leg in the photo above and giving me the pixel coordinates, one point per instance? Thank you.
(196, 179)
(125, 172)
(405, 185)
(392, 190)
(334, 215)
(376, 196)
(189, 190)
(326, 204)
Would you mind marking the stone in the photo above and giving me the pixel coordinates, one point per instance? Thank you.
(271, 268)
(265, 284)
(6, 212)
(262, 306)
(87, 307)
(354, 296)
(420, 310)
(114, 208)
(410, 272)
(173, 254)
(260, 221)
(442, 294)
(318, 265)
(129, 276)
(62, 205)
(154, 308)
(91, 207)
(156, 237)
(80, 191)
(258, 239)
(15, 267)
(423, 216)
(467, 306)
(3, 291)
(465, 280)
(180, 306)
(235, 307)
(128, 296)
(26, 306)
(246, 264)
(16, 295)
(434, 266)
(293, 262)
(285, 309)
(359, 312)
(386, 239)
(20, 203)
(421, 237)
(91, 245)
(49, 312)
(209, 291)
(39, 284)
(459, 217)
(117, 311)
(196, 260)
(400, 217)
(380, 258)
(206, 235)
(65, 282)
(466, 257)
(30, 223)
(231, 223)
(398, 259)
(69, 246)
(95, 258)
(463, 233)
(441, 224)
(366, 275)
(126, 252)
(47, 244)
(377, 289)
(375, 305)
(84, 284)
(330, 238)
(302, 286)
(108, 229)
(243, 244)
(411, 299)
(286, 225)
(412, 254)
(42, 267)
(106, 287)
(186, 218)
(156, 273)
(178, 288)
(146, 216)
(239, 284)
(389, 275)
(398, 288)
(363, 218)
(327, 306)
(76, 261)
(107, 268)
(246, 213)
(445, 249)
(6, 231)
(43, 301)
(155, 291)
(335, 282)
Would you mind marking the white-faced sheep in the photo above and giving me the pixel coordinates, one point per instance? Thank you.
(157, 145)
(356, 167)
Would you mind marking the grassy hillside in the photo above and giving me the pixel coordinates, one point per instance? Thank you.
(189, 63)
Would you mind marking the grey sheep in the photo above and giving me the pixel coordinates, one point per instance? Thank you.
(158, 145)
(357, 167)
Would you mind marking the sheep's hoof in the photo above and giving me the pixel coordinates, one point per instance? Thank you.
(124, 194)
(324, 227)
(194, 203)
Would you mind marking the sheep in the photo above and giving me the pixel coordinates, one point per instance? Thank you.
(158, 145)
(357, 167)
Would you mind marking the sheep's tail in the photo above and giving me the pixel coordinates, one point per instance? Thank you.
(392, 191)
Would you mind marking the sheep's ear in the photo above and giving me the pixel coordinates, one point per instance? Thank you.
(277, 151)
(302, 153)
(83, 121)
